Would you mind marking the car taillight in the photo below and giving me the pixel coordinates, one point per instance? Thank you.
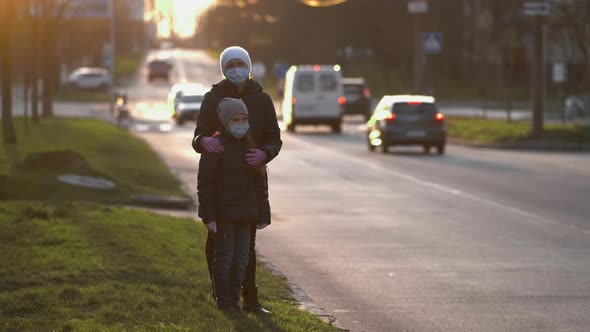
(293, 101)
(341, 100)
(367, 92)
(414, 103)
(439, 116)
(391, 117)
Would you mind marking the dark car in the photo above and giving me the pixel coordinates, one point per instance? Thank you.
(357, 97)
(159, 69)
(407, 120)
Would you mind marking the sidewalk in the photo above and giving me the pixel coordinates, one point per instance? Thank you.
(61, 108)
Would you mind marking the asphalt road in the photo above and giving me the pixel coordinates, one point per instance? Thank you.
(476, 240)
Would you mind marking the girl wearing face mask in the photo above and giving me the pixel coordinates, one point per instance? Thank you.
(233, 197)
(264, 143)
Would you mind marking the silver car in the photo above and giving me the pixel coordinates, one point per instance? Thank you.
(88, 78)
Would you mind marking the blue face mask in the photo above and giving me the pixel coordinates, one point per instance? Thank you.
(238, 76)
(239, 130)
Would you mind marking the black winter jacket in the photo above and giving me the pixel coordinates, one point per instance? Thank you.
(261, 113)
(229, 189)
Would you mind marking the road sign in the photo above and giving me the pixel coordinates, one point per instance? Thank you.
(281, 69)
(89, 8)
(432, 42)
(536, 8)
(559, 72)
(258, 70)
(417, 6)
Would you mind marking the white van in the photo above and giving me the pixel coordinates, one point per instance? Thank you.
(313, 95)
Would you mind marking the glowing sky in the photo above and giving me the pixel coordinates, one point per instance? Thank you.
(185, 13)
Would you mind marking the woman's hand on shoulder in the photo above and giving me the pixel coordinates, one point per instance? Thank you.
(212, 145)
(256, 157)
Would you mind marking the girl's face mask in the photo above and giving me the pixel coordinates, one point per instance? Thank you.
(239, 130)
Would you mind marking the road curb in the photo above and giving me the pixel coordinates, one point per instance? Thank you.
(526, 145)
(165, 202)
(474, 144)
(302, 300)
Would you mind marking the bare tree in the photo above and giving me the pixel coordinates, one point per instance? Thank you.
(34, 68)
(8, 19)
(28, 56)
(575, 19)
(50, 16)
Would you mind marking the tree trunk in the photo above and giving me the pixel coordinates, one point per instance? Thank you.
(49, 73)
(6, 72)
(34, 63)
(48, 81)
(586, 62)
(35, 94)
(26, 89)
(7, 122)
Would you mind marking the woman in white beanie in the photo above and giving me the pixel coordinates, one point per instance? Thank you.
(236, 68)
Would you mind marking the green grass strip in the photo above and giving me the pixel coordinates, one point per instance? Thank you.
(80, 146)
(90, 267)
(498, 131)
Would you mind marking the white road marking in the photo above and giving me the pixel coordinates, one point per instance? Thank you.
(433, 185)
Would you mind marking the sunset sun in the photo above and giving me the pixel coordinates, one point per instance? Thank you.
(184, 15)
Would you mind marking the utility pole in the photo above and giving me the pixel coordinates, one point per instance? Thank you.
(417, 8)
(539, 10)
(113, 47)
(539, 77)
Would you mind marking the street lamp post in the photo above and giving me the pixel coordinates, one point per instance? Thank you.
(113, 48)
(417, 8)
(538, 10)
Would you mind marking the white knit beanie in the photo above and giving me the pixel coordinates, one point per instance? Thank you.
(234, 52)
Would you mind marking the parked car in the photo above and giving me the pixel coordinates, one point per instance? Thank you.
(188, 104)
(89, 78)
(159, 69)
(577, 107)
(407, 120)
(313, 95)
(357, 97)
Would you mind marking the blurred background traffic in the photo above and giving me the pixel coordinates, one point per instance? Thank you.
(474, 54)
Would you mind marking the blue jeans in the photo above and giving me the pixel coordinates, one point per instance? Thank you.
(232, 245)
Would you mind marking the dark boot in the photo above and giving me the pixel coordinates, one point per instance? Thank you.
(232, 309)
(251, 303)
